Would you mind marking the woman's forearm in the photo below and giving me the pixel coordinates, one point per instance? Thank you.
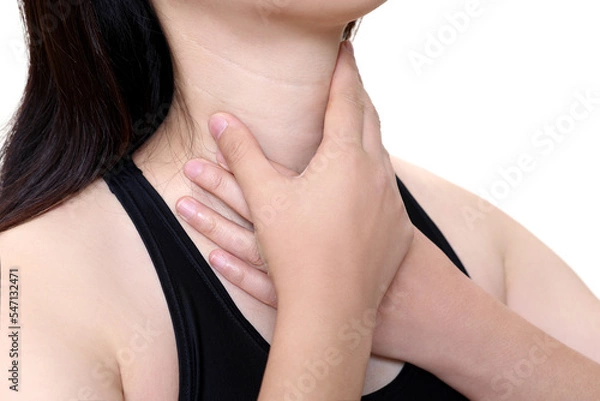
(440, 320)
(494, 354)
(488, 352)
(309, 360)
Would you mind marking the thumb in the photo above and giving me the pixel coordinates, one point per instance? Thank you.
(242, 152)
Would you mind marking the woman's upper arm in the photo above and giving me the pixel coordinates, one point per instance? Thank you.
(541, 287)
(54, 367)
(530, 278)
(53, 345)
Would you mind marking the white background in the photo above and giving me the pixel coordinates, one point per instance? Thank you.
(474, 109)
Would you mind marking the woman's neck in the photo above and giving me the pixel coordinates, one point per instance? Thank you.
(274, 77)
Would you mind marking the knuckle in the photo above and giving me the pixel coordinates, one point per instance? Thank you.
(271, 297)
(353, 97)
(234, 151)
(209, 226)
(254, 257)
(237, 276)
(216, 181)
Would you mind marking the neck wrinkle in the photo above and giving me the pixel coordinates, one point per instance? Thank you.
(274, 78)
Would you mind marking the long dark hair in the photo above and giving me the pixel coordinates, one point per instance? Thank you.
(100, 83)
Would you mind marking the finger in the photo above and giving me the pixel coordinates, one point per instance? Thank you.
(372, 140)
(219, 183)
(252, 281)
(344, 118)
(225, 233)
(242, 153)
(387, 161)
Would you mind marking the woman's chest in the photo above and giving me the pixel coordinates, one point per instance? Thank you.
(155, 370)
(149, 357)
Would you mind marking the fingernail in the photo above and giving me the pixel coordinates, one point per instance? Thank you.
(217, 125)
(193, 168)
(187, 208)
(218, 261)
(349, 46)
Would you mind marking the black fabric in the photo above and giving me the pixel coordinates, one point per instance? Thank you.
(222, 357)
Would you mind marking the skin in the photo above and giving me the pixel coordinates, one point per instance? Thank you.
(432, 316)
(257, 59)
(362, 262)
(89, 263)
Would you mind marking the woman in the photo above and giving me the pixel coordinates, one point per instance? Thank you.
(101, 84)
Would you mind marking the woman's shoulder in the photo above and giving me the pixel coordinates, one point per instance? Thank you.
(89, 291)
(72, 232)
(84, 248)
(57, 300)
(72, 251)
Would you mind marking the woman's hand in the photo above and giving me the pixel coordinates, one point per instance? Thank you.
(343, 211)
(331, 238)
(407, 312)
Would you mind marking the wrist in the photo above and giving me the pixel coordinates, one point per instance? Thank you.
(321, 286)
(328, 312)
(317, 344)
(347, 326)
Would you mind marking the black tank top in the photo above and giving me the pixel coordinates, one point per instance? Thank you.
(221, 356)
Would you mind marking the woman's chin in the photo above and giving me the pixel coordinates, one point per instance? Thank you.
(323, 12)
